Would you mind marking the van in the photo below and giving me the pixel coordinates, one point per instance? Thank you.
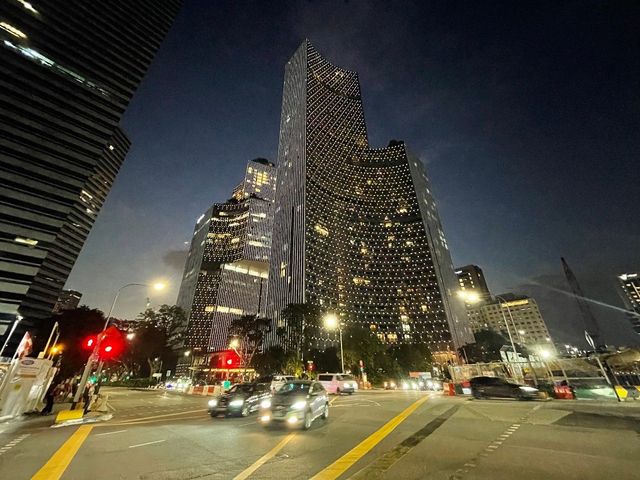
(338, 383)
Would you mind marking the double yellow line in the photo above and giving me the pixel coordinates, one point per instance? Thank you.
(345, 462)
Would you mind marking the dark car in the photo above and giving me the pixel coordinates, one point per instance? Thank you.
(483, 387)
(298, 402)
(240, 399)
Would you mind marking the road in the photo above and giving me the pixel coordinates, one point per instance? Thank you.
(388, 435)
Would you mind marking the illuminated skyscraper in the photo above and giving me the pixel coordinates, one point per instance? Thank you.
(68, 70)
(356, 230)
(471, 280)
(226, 272)
(629, 287)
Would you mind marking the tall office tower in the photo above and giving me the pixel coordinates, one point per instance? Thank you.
(226, 272)
(629, 288)
(518, 315)
(68, 300)
(67, 72)
(471, 280)
(356, 230)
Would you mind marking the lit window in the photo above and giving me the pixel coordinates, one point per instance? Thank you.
(12, 30)
(26, 241)
(235, 240)
(209, 308)
(321, 230)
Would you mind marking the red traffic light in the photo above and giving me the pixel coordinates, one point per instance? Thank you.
(89, 343)
(112, 344)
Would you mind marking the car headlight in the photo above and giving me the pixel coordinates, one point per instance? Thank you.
(529, 389)
(405, 386)
(301, 405)
(393, 385)
(212, 403)
(386, 384)
(421, 384)
(236, 403)
(265, 403)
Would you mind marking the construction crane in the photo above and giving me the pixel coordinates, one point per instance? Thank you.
(591, 329)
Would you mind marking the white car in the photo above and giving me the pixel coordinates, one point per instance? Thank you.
(279, 380)
(338, 383)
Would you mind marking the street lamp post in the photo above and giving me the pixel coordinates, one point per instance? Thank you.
(331, 322)
(13, 328)
(504, 317)
(94, 354)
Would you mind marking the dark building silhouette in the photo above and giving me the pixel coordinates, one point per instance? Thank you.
(68, 70)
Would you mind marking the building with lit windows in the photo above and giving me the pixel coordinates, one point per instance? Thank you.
(471, 281)
(515, 314)
(68, 300)
(227, 267)
(629, 288)
(68, 70)
(356, 229)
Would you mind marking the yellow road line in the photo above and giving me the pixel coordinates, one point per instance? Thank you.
(58, 463)
(265, 458)
(345, 462)
(332, 400)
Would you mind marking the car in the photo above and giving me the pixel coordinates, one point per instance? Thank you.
(240, 399)
(390, 385)
(338, 383)
(276, 381)
(297, 402)
(483, 387)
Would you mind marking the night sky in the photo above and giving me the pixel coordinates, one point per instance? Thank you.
(527, 118)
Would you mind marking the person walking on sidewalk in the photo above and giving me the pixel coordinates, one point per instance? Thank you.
(87, 396)
(50, 397)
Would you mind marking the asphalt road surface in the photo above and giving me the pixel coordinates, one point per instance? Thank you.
(388, 435)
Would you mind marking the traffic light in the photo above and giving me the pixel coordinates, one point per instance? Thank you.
(112, 344)
(89, 343)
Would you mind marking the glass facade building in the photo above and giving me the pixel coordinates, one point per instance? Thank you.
(68, 70)
(226, 271)
(356, 230)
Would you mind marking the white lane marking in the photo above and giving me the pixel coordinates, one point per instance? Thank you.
(147, 443)
(110, 433)
(13, 443)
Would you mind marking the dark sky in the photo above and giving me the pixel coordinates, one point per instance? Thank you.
(527, 117)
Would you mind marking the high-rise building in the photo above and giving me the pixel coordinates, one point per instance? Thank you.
(515, 314)
(471, 281)
(226, 271)
(629, 288)
(356, 230)
(67, 72)
(68, 300)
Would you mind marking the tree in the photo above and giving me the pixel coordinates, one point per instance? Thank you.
(75, 326)
(171, 318)
(360, 344)
(274, 360)
(412, 358)
(302, 322)
(158, 335)
(486, 349)
(249, 331)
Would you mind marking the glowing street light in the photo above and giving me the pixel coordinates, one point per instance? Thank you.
(234, 343)
(187, 353)
(56, 349)
(331, 322)
(159, 286)
(469, 296)
(130, 336)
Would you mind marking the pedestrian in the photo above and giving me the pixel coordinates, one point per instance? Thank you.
(87, 396)
(50, 397)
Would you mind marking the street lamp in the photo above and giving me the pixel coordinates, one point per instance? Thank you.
(472, 297)
(331, 322)
(94, 354)
(131, 336)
